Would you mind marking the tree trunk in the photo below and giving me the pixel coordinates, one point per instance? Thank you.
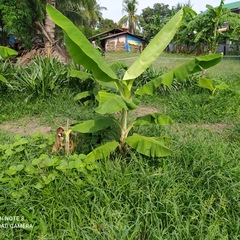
(48, 31)
(49, 24)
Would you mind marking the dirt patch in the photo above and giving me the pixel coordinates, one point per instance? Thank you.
(25, 127)
(214, 127)
(143, 110)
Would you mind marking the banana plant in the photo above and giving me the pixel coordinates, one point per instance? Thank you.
(122, 98)
(5, 53)
(208, 84)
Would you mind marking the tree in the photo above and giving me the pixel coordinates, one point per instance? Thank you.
(95, 16)
(23, 18)
(121, 96)
(206, 25)
(105, 24)
(130, 7)
(18, 18)
(153, 19)
(74, 9)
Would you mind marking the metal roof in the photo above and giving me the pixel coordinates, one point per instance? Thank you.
(234, 5)
(121, 33)
(106, 33)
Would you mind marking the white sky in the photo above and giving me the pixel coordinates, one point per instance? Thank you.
(114, 7)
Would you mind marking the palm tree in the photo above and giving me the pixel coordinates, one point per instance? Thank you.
(95, 15)
(73, 9)
(49, 24)
(130, 7)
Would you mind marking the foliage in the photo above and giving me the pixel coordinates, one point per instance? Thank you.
(84, 14)
(19, 18)
(153, 73)
(192, 194)
(148, 75)
(5, 53)
(208, 84)
(122, 99)
(153, 19)
(105, 25)
(138, 198)
(203, 28)
(95, 15)
(41, 77)
(131, 18)
(36, 163)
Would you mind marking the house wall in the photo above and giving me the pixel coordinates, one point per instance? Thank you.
(123, 43)
(116, 44)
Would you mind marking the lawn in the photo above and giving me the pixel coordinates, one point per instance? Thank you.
(192, 194)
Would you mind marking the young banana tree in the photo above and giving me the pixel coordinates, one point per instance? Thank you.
(122, 98)
(5, 53)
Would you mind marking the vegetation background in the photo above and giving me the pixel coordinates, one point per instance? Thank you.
(192, 194)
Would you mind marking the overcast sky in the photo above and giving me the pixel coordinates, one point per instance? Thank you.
(114, 7)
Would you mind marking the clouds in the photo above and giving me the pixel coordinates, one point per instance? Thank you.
(114, 7)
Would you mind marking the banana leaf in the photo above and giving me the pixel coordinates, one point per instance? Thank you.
(80, 49)
(153, 118)
(102, 152)
(149, 146)
(111, 103)
(181, 72)
(92, 126)
(6, 52)
(155, 47)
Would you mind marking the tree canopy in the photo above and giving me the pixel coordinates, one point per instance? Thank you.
(131, 17)
(20, 17)
(198, 33)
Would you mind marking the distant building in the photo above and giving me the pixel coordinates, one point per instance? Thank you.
(119, 40)
(234, 7)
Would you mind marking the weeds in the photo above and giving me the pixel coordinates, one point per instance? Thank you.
(185, 196)
(192, 194)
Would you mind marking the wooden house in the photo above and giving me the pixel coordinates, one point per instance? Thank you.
(119, 41)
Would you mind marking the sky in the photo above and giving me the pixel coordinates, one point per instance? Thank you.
(114, 7)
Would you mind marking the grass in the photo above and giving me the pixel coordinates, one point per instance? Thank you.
(164, 60)
(192, 194)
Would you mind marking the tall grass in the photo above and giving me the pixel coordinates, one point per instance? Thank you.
(41, 77)
(192, 194)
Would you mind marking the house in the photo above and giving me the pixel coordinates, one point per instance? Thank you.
(234, 7)
(119, 40)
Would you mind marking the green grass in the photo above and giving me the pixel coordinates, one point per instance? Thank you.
(192, 194)
(164, 60)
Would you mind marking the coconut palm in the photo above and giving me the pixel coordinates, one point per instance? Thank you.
(73, 9)
(95, 15)
(130, 7)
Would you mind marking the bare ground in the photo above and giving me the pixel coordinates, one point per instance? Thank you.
(25, 126)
